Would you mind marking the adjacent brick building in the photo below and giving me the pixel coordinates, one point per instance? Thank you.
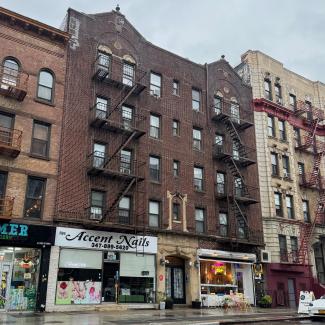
(289, 115)
(156, 145)
(32, 78)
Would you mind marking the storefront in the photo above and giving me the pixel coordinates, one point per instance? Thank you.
(96, 267)
(24, 264)
(225, 274)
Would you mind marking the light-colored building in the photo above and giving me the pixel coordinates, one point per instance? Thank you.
(289, 111)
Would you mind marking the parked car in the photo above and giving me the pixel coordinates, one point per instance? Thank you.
(317, 307)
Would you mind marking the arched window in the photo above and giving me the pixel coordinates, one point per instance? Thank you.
(45, 86)
(10, 72)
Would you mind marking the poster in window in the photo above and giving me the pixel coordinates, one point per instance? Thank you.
(78, 292)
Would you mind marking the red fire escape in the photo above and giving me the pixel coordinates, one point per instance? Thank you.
(312, 180)
(237, 156)
(124, 122)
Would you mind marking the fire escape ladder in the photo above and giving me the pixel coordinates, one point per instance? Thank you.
(233, 131)
(306, 231)
(126, 187)
(315, 172)
(121, 147)
(122, 100)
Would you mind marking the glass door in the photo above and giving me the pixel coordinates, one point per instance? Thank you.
(5, 272)
(175, 284)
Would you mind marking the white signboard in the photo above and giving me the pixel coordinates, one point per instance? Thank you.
(102, 240)
(305, 299)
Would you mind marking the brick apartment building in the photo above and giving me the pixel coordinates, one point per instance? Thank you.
(32, 72)
(289, 116)
(160, 150)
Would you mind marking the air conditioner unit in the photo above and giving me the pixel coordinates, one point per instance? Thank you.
(265, 256)
(96, 216)
(125, 170)
(155, 93)
(286, 175)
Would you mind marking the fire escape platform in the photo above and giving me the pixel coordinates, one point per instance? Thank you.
(9, 151)
(113, 174)
(117, 127)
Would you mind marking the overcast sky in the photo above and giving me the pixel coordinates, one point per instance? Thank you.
(291, 31)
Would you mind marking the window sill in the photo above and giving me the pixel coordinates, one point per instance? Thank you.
(284, 141)
(176, 95)
(200, 191)
(43, 101)
(39, 157)
(276, 176)
(288, 179)
(177, 221)
(272, 137)
(152, 138)
(155, 182)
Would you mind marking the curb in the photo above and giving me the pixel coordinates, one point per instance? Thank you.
(262, 319)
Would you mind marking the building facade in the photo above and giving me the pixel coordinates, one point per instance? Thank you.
(160, 152)
(32, 76)
(289, 114)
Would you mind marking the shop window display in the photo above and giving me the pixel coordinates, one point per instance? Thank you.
(218, 277)
(19, 277)
(79, 277)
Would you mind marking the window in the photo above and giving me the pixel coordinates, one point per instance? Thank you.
(293, 101)
(101, 107)
(155, 84)
(275, 164)
(218, 140)
(235, 149)
(126, 161)
(217, 105)
(45, 86)
(294, 248)
(278, 204)
(154, 126)
(41, 139)
(154, 168)
(10, 72)
(282, 130)
(301, 172)
(223, 223)
(124, 210)
(196, 100)
(239, 190)
(198, 178)
(199, 220)
(99, 155)
(154, 214)
(283, 248)
(297, 137)
(176, 168)
(234, 112)
(305, 210)
(104, 61)
(267, 89)
(241, 227)
(221, 183)
(34, 197)
(97, 205)
(289, 203)
(270, 126)
(278, 93)
(176, 211)
(308, 106)
(128, 74)
(127, 117)
(6, 125)
(3, 184)
(319, 262)
(175, 128)
(286, 167)
(175, 87)
(197, 139)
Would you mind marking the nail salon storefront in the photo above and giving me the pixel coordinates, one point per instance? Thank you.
(92, 268)
(24, 264)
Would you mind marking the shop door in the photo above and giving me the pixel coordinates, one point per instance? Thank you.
(175, 280)
(5, 272)
(110, 281)
(291, 293)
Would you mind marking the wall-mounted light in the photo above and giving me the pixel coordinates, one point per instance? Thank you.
(163, 261)
(197, 264)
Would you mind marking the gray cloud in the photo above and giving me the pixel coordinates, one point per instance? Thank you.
(291, 31)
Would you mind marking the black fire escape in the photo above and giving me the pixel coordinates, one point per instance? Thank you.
(237, 156)
(124, 122)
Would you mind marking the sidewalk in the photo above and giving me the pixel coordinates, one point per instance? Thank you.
(184, 316)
